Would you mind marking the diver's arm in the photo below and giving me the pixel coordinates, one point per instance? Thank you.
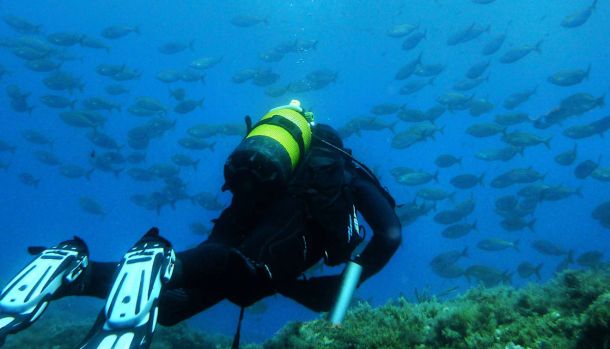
(380, 215)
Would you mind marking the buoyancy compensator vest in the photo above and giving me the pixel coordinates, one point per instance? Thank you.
(323, 181)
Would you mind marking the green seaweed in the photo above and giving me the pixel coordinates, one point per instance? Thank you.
(571, 311)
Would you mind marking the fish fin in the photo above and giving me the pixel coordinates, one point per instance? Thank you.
(516, 245)
(473, 226)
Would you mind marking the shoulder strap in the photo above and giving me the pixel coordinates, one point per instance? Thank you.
(362, 168)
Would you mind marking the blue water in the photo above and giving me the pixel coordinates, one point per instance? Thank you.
(352, 41)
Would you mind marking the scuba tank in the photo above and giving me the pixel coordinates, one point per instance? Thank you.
(266, 158)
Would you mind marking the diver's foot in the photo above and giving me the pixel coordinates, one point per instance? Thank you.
(26, 297)
(129, 318)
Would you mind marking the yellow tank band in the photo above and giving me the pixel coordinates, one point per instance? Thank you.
(297, 119)
(283, 137)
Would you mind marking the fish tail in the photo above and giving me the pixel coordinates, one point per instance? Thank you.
(195, 164)
(481, 177)
(136, 29)
(88, 174)
(192, 45)
(73, 103)
(538, 45)
(435, 177)
(465, 252)
(600, 101)
(36, 182)
(578, 192)
(516, 245)
(452, 196)
(13, 149)
(504, 131)
(537, 270)
(570, 257)
(118, 172)
(212, 145)
(530, 225)
(474, 226)
(547, 142)
(507, 277)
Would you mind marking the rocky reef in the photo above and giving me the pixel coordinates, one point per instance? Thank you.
(571, 311)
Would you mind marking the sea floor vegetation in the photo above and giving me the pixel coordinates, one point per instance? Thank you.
(571, 311)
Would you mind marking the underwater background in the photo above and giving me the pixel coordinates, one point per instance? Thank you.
(348, 61)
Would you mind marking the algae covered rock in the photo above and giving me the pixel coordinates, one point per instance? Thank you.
(571, 311)
(596, 324)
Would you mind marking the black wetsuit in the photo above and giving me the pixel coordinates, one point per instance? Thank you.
(259, 247)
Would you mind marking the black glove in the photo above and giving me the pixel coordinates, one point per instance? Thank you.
(318, 293)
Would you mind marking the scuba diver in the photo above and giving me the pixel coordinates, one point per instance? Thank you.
(296, 193)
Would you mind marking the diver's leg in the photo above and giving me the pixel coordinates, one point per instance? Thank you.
(129, 318)
(47, 277)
